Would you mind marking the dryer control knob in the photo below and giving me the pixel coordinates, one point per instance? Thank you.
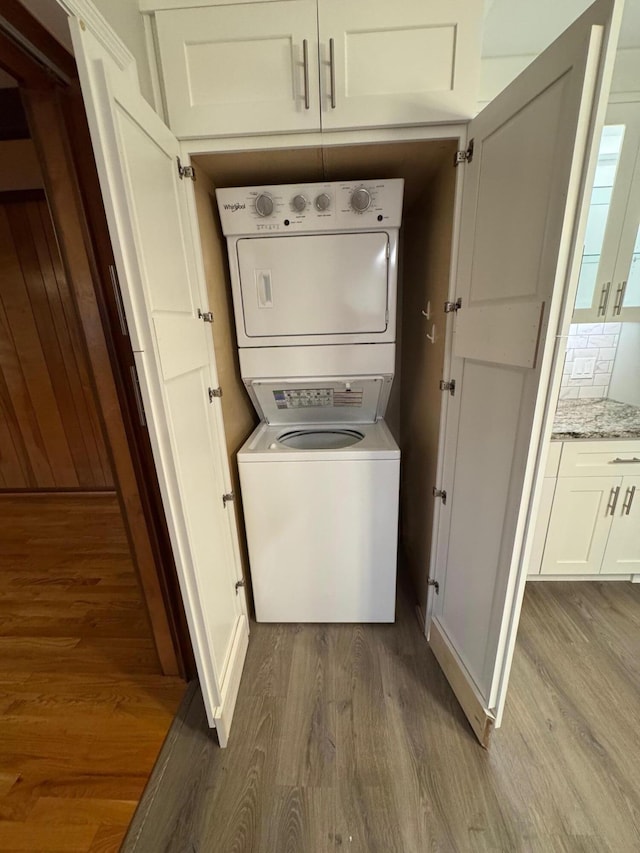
(299, 203)
(264, 205)
(323, 201)
(360, 200)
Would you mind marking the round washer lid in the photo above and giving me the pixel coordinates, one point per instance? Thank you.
(320, 439)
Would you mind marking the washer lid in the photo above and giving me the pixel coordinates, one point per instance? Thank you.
(319, 401)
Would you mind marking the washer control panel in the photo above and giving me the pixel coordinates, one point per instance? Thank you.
(331, 206)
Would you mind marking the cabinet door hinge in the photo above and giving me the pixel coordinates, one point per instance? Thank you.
(205, 316)
(450, 307)
(186, 171)
(448, 386)
(464, 156)
(228, 497)
(239, 585)
(439, 493)
(434, 584)
(213, 393)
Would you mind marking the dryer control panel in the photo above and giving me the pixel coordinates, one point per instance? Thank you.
(294, 208)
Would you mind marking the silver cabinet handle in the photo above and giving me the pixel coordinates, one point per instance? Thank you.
(305, 60)
(118, 297)
(332, 71)
(604, 298)
(136, 393)
(617, 308)
(628, 500)
(619, 461)
(613, 500)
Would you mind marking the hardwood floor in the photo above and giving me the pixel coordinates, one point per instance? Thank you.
(83, 707)
(348, 737)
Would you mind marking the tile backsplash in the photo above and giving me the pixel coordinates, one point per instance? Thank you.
(589, 341)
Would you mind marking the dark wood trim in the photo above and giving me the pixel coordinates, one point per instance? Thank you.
(13, 122)
(20, 196)
(36, 40)
(20, 66)
(57, 121)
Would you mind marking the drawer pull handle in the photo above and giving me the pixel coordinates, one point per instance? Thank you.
(305, 59)
(628, 500)
(613, 500)
(619, 461)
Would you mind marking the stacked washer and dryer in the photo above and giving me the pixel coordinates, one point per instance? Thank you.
(314, 280)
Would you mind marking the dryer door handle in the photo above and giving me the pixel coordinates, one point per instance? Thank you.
(263, 281)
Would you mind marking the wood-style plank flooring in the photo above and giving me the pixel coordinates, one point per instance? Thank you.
(347, 737)
(83, 707)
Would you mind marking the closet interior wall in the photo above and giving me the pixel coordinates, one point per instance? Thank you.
(413, 413)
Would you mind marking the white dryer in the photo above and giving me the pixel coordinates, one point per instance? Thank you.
(314, 280)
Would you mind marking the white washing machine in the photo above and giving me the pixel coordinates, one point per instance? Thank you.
(313, 273)
(321, 511)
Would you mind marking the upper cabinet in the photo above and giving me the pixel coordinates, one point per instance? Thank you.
(237, 69)
(305, 65)
(609, 284)
(398, 63)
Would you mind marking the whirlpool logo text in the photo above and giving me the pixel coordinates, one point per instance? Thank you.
(234, 207)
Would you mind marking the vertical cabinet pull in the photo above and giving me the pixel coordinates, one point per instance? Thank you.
(305, 61)
(617, 308)
(604, 298)
(332, 72)
(628, 500)
(613, 500)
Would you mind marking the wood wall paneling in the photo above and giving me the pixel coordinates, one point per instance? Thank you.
(19, 168)
(48, 407)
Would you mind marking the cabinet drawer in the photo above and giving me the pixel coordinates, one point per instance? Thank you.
(599, 458)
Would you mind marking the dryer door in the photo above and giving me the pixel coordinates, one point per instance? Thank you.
(326, 286)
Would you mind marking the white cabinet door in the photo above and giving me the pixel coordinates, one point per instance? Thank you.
(248, 68)
(583, 509)
(397, 63)
(520, 244)
(145, 201)
(623, 549)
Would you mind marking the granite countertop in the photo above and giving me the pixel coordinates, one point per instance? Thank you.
(595, 418)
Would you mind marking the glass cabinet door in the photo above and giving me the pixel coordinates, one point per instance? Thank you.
(596, 272)
(626, 305)
(607, 287)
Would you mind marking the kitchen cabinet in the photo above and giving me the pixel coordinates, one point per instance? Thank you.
(609, 283)
(305, 65)
(622, 555)
(589, 517)
(580, 524)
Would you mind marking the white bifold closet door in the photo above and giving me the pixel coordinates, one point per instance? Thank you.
(522, 226)
(146, 204)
